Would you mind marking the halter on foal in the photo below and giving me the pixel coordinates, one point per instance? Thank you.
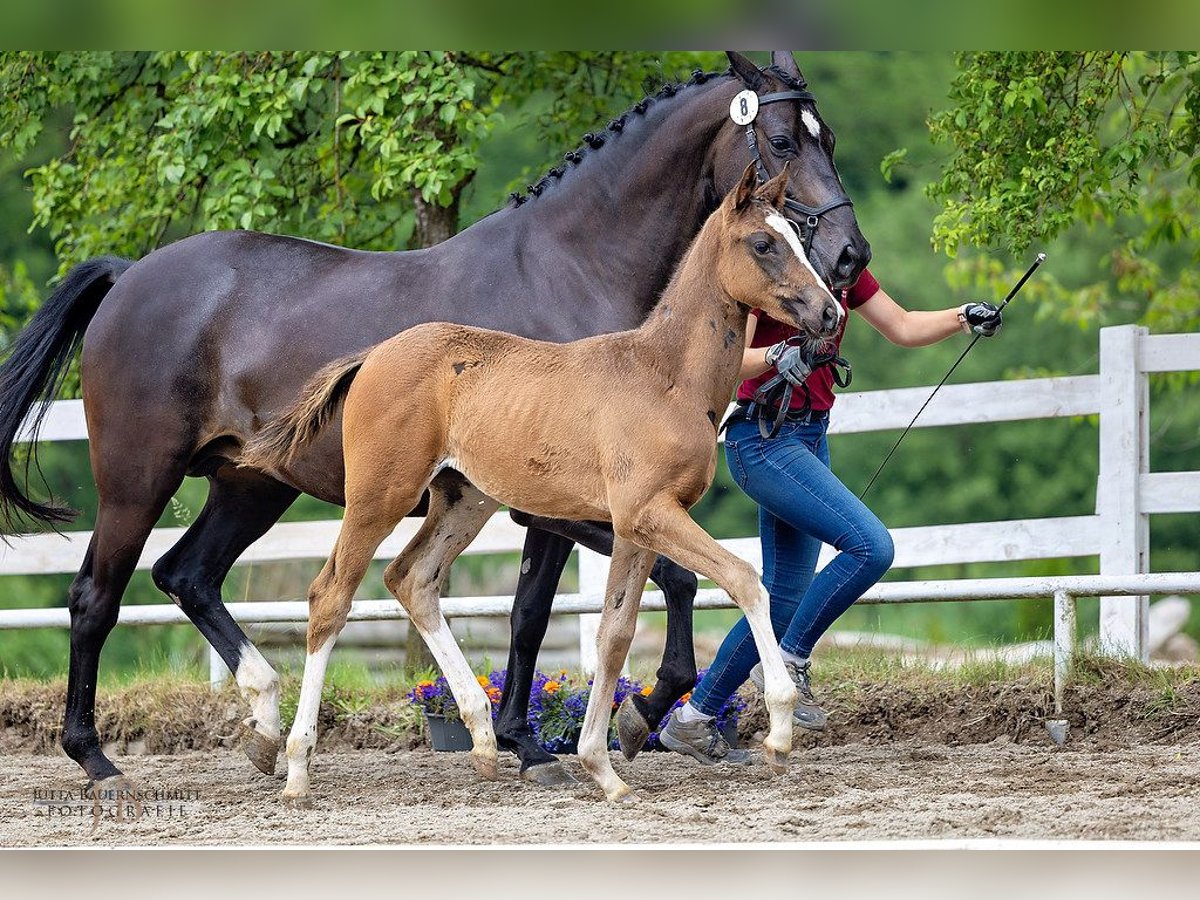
(619, 427)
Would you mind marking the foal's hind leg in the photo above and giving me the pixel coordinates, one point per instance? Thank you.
(665, 526)
(363, 530)
(242, 505)
(626, 581)
(457, 512)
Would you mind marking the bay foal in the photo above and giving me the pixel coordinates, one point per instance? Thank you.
(618, 428)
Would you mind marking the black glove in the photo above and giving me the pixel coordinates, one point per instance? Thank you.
(980, 317)
(789, 361)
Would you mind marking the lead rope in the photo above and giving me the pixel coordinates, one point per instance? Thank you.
(776, 394)
(1041, 257)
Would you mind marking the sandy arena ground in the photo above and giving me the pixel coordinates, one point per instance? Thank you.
(851, 792)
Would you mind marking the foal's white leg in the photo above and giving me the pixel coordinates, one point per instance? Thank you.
(670, 531)
(302, 739)
(457, 512)
(627, 575)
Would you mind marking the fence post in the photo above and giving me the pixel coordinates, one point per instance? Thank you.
(218, 672)
(1064, 645)
(1125, 531)
(593, 574)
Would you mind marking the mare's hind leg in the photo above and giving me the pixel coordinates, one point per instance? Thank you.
(665, 526)
(130, 504)
(242, 505)
(639, 715)
(626, 581)
(457, 512)
(329, 598)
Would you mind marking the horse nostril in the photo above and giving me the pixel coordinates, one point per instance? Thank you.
(829, 318)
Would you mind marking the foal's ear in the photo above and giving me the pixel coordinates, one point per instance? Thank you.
(746, 188)
(785, 62)
(744, 69)
(775, 190)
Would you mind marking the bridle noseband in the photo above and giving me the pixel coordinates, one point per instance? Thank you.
(812, 214)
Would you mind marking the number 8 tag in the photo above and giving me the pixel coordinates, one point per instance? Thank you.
(744, 107)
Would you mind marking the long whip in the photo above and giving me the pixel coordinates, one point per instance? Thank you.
(1041, 258)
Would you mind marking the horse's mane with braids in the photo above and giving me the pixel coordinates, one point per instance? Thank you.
(593, 141)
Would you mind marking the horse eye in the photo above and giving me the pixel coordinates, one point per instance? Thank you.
(762, 247)
(781, 144)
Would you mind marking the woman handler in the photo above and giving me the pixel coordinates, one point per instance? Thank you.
(802, 504)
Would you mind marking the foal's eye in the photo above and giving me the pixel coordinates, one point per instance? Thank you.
(762, 248)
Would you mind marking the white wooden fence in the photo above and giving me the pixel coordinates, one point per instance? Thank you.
(1127, 493)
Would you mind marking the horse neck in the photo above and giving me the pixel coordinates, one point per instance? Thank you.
(697, 330)
(647, 190)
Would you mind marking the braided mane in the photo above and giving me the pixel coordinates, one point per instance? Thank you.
(593, 140)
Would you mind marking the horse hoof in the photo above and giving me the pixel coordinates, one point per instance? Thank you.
(777, 761)
(624, 796)
(550, 775)
(632, 729)
(485, 767)
(260, 749)
(296, 801)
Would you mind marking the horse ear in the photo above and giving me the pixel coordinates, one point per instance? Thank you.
(744, 69)
(746, 189)
(775, 190)
(785, 62)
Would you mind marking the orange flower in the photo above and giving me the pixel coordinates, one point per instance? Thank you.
(483, 680)
(424, 684)
(647, 689)
(494, 694)
(551, 687)
(686, 697)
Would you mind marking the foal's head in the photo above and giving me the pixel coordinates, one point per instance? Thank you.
(762, 263)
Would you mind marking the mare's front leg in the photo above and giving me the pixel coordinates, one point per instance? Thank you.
(542, 562)
(626, 581)
(638, 715)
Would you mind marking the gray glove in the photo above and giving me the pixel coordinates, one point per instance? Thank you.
(980, 317)
(789, 361)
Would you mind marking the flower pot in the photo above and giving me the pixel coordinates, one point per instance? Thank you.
(448, 734)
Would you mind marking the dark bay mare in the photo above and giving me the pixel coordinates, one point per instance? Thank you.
(187, 352)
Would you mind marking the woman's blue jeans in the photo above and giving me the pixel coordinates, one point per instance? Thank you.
(801, 504)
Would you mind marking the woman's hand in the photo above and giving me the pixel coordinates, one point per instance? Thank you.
(980, 317)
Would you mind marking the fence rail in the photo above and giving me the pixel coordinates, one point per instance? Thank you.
(1127, 494)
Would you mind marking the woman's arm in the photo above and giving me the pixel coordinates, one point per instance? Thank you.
(754, 359)
(909, 328)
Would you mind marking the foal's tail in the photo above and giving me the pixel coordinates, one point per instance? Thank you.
(282, 438)
(35, 369)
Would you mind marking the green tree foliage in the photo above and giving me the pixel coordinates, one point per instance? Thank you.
(1041, 142)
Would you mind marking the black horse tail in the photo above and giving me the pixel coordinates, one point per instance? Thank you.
(34, 371)
(285, 436)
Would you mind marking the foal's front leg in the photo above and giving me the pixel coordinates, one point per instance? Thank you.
(626, 581)
(638, 715)
(666, 526)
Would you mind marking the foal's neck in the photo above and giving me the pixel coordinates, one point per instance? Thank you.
(697, 331)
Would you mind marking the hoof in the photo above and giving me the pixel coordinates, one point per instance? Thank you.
(260, 749)
(632, 729)
(550, 775)
(296, 801)
(776, 761)
(119, 792)
(624, 796)
(485, 767)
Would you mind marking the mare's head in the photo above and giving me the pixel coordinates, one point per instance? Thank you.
(761, 262)
(789, 131)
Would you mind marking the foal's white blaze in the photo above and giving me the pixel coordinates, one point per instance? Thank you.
(811, 123)
(259, 684)
(778, 223)
(303, 736)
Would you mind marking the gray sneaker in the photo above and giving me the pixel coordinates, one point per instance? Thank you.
(808, 713)
(702, 741)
